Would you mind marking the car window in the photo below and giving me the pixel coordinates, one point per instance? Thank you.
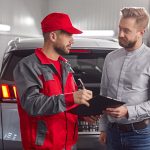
(10, 61)
(87, 66)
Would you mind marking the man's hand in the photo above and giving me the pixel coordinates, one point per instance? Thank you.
(91, 119)
(102, 137)
(82, 96)
(117, 112)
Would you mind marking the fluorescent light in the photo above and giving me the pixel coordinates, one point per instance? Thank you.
(97, 33)
(4, 27)
(27, 21)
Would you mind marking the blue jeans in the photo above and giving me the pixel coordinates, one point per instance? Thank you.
(134, 140)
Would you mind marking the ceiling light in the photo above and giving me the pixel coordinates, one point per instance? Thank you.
(4, 27)
(89, 33)
(27, 21)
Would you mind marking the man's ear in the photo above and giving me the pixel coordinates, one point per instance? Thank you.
(142, 31)
(53, 36)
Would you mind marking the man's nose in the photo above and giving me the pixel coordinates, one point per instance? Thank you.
(121, 34)
(71, 40)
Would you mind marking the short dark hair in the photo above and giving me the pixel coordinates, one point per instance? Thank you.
(46, 34)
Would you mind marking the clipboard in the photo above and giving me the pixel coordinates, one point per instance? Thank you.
(97, 105)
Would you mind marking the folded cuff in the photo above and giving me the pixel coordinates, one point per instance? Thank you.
(131, 113)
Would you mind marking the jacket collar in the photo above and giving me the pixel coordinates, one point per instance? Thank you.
(44, 59)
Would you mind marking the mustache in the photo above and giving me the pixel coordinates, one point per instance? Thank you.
(122, 39)
(69, 45)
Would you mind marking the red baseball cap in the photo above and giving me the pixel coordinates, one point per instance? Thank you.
(58, 21)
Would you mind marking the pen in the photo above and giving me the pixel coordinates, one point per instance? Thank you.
(83, 87)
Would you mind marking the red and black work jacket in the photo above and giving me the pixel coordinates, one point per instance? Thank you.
(44, 96)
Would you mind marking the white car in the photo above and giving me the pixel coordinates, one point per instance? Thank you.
(86, 58)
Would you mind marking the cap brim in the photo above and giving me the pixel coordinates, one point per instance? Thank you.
(72, 30)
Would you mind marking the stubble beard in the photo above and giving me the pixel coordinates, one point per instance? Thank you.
(128, 44)
(61, 50)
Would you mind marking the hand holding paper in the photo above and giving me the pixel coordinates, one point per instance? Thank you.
(97, 105)
(117, 112)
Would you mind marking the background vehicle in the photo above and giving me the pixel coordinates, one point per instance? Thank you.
(86, 57)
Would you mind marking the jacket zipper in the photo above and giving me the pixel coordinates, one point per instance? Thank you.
(61, 78)
(66, 131)
(74, 130)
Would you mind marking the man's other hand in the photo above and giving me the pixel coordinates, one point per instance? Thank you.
(91, 119)
(102, 137)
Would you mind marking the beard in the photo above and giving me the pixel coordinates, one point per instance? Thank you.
(126, 44)
(62, 50)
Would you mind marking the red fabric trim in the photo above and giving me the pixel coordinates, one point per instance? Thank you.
(44, 59)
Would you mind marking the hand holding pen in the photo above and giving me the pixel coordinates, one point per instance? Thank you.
(89, 119)
(83, 95)
(81, 83)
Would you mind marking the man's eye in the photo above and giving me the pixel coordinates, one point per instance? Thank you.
(126, 31)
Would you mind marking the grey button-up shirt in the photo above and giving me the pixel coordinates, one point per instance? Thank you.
(126, 77)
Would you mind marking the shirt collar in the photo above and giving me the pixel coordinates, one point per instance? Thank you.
(44, 59)
(131, 53)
